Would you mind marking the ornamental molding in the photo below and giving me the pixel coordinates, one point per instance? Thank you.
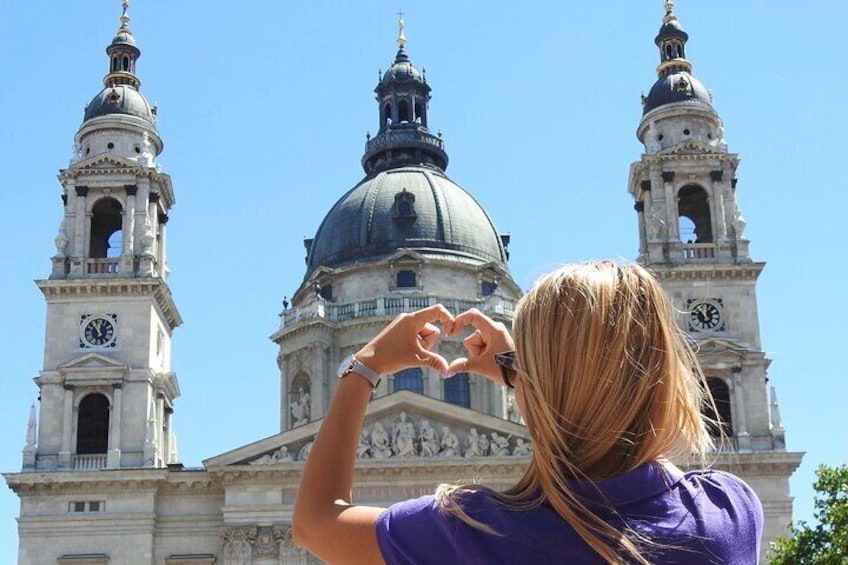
(108, 164)
(86, 287)
(708, 272)
(762, 464)
(398, 428)
(115, 482)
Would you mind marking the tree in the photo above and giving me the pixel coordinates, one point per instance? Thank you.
(827, 542)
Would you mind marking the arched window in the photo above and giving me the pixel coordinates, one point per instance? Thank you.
(419, 113)
(105, 221)
(457, 390)
(721, 397)
(406, 279)
(126, 62)
(692, 203)
(387, 114)
(114, 64)
(667, 51)
(93, 424)
(403, 112)
(409, 379)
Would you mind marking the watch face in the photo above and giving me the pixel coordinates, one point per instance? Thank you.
(705, 316)
(99, 332)
(345, 365)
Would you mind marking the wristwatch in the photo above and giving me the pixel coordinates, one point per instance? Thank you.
(352, 365)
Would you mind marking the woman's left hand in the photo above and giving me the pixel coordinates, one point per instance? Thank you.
(407, 342)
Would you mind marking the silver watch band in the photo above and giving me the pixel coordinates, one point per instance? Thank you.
(362, 370)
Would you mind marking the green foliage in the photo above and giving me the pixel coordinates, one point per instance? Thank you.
(827, 542)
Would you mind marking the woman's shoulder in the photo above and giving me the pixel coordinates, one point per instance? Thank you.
(718, 482)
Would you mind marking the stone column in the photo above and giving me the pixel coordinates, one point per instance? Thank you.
(67, 427)
(163, 265)
(128, 231)
(643, 236)
(160, 419)
(113, 457)
(79, 252)
(719, 216)
(319, 389)
(740, 421)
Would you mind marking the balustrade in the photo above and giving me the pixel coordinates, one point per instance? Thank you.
(88, 462)
(696, 251)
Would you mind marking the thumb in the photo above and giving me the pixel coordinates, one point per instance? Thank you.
(433, 360)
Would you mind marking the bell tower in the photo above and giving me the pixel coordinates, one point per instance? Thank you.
(106, 387)
(691, 235)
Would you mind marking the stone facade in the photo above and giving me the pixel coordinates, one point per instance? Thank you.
(110, 490)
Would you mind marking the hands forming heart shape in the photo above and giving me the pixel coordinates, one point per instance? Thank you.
(409, 339)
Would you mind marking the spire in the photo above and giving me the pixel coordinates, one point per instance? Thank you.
(671, 40)
(403, 137)
(123, 54)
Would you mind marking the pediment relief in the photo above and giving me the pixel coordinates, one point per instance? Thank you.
(400, 426)
(104, 161)
(689, 147)
(91, 361)
(714, 345)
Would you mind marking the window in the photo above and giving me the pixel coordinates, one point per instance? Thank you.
(693, 204)
(326, 292)
(488, 288)
(93, 424)
(409, 379)
(406, 279)
(721, 397)
(404, 205)
(87, 506)
(387, 114)
(106, 219)
(403, 112)
(457, 390)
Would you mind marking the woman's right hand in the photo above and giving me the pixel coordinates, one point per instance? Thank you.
(489, 338)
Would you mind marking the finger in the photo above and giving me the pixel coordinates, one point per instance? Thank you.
(428, 336)
(474, 318)
(434, 313)
(474, 344)
(459, 365)
(432, 360)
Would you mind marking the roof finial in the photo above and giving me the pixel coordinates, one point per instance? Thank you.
(669, 9)
(125, 19)
(401, 40)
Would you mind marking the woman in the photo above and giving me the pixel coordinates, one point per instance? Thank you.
(609, 389)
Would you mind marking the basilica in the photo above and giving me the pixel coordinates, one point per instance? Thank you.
(100, 480)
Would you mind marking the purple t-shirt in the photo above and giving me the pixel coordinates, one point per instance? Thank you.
(706, 517)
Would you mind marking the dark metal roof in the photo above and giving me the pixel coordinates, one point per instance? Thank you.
(368, 223)
(118, 99)
(676, 87)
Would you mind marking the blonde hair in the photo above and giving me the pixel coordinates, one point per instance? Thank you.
(609, 383)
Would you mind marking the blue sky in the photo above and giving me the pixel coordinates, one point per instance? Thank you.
(264, 108)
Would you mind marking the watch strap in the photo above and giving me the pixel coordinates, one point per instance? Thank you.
(362, 370)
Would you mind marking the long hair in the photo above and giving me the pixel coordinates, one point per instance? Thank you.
(608, 383)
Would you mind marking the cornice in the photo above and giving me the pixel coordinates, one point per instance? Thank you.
(119, 167)
(707, 271)
(115, 481)
(752, 465)
(84, 287)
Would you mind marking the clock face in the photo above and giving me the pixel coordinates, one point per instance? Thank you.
(99, 332)
(705, 316)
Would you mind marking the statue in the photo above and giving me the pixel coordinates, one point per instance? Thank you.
(449, 444)
(304, 451)
(522, 448)
(472, 443)
(739, 223)
(403, 437)
(483, 445)
(281, 454)
(363, 449)
(301, 408)
(512, 413)
(500, 445)
(76, 153)
(146, 157)
(380, 447)
(427, 440)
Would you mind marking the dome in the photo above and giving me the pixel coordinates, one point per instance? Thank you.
(123, 37)
(669, 29)
(401, 70)
(408, 207)
(118, 99)
(676, 87)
